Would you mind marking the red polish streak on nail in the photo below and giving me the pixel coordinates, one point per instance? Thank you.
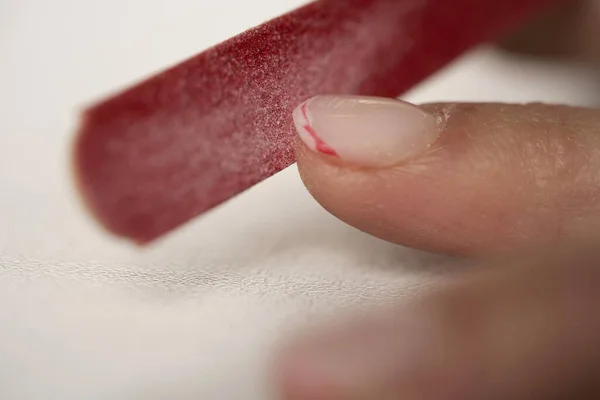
(176, 145)
(322, 147)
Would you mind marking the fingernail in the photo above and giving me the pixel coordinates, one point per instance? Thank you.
(365, 131)
(361, 362)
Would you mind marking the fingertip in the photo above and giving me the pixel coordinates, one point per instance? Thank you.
(498, 177)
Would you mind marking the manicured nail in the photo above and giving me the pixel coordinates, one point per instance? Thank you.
(358, 362)
(366, 131)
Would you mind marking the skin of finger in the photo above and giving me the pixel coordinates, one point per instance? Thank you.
(528, 330)
(500, 177)
(569, 30)
(552, 34)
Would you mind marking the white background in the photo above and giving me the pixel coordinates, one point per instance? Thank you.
(83, 316)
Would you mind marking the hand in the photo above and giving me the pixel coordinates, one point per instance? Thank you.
(471, 180)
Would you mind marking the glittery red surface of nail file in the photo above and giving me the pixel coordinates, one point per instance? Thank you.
(180, 143)
(320, 145)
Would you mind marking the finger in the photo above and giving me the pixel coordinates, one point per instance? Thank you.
(568, 30)
(463, 179)
(515, 333)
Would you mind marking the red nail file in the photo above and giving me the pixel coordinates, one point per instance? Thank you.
(186, 140)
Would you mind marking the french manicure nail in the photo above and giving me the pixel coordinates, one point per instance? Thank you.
(365, 131)
(358, 362)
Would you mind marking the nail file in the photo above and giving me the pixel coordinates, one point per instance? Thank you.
(176, 145)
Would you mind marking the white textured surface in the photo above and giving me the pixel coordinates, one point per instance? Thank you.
(85, 317)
